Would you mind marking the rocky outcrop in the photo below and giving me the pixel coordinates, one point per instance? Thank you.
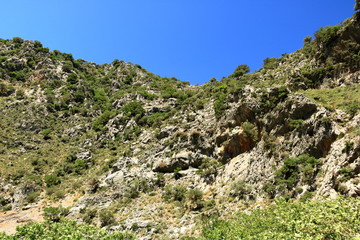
(162, 154)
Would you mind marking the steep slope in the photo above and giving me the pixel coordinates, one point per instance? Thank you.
(157, 156)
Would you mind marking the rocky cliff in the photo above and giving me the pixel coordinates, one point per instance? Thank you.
(159, 155)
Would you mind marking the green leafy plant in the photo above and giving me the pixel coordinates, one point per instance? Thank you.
(299, 169)
(64, 230)
(331, 219)
(55, 214)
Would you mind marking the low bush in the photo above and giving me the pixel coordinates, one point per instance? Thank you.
(240, 71)
(194, 199)
(297, 170)
(250, 130)
(52, 180)
(240, 189)
(55, 214)
(106, 217)
(102, 120)
(209, 168)
(174, 193)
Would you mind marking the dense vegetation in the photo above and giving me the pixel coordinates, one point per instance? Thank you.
(330, 219)
(63, 230)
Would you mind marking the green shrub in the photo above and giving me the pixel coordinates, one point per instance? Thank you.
(79, 166)
(171, 92)
(177, 173)
(100, 96)
(79, 97)
(270, 63)
(160, 180)
(194, 199)
(299, 169)
(6, 90)
(209, 168)
(147, 95)
(314, 77)
(134, 109)
(19, 76)
(174, 193)
(325, 35)
(102, 120)
(32, 196)
(67, 67)
(3, 59)
(46, 133)
(55, 214)
(269, 100)
(89, 215)
(347, 173)
(18, 40)
(37, 44)
(55, 193)
(17, 175)
(240, 71)
(155, 119)
(72, 78)
(106, 217)
(353, 108)
(52, 180)
(20, 94)
(220, 105)
(250, 130)
(137, 186)
(240, 189)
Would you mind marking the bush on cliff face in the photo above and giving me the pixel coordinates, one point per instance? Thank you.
(240, 189)
(240, 71)
(106, 217)
(295, 171)
(250, 130)
(102, 120)
(52, 180)
(220, 106)
(174, 193)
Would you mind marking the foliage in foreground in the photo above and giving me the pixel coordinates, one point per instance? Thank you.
(330, 219)
(63, 230)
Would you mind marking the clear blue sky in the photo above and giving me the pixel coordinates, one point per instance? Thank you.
(192, 40)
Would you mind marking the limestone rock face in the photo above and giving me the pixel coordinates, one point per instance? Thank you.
(163, 154)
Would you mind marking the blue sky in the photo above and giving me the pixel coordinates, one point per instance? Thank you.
(193, 40)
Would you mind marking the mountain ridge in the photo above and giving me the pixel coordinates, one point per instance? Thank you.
(155, 155)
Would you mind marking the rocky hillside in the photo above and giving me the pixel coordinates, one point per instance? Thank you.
(157, 156)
